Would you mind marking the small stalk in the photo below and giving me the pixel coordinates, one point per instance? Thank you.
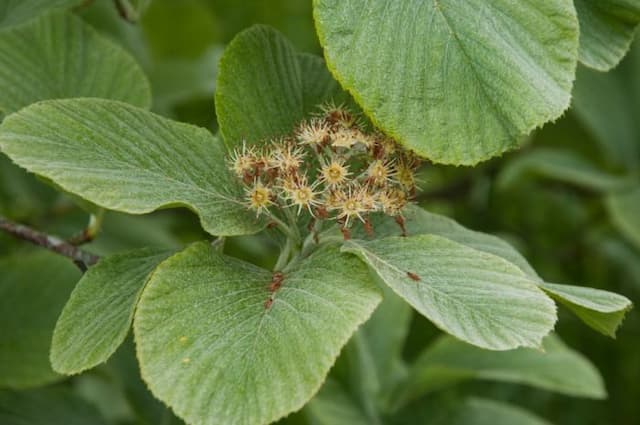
(91, 231)
(284, 256)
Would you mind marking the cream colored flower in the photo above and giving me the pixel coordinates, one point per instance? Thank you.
(259, 197)
(334, 173)
(243, 160)
(314, 133)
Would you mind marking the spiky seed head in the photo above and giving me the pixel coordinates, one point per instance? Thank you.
(287, 157)
(404, 175)
(392, 201)
(367, 197)
(344, 138)
(315, 133)
(380, 172)
(337, 116)
(334, 173)
(302, 195)
(243, 160)
(352, 205)
(259, 197)
(333, 198)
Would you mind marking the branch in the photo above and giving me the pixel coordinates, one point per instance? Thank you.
(81, 258)
(127, 11)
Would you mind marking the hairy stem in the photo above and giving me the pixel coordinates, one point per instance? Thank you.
(81, 258)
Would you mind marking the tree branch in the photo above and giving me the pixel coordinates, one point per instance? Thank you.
(81, 258)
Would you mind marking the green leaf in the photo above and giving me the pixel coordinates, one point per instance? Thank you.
(456, 81)
(478, 411)
(607, 28)
(14, 12)
(563, 165)
(127, 159)
(180, 80)
(59, 56)
(33, 287)
(318, 85)
(385, 334)
(418, 221)
(333, 406)
(606, 105)
(265, 87)
(604, 318)
(624, 209)
(99, 313)
(448, 361)
(124, 369)
(602, 310)
(213, 347)
(477, 297)
(357, 371)
(46, 406)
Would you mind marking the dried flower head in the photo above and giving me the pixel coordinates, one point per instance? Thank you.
(380, 172)
(345, 138)
(243, 161)
(404, 175)
(329, 168)
(287, 157)
(334, 173)
(338, 116)
(303, 196)
(352, 205)
(315, 133)
(259, 197)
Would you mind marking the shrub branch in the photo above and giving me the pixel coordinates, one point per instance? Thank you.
(81, 258)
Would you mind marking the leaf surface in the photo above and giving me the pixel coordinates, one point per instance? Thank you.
(478, 411)
(14, 12)
(265, 87)
(419, 221)
(564, 166)
(602, 310)
(99, 313)
(457, 81)
(59, 56)
(607, 28)
(33, 289)
(127, 159)
(448, 361)
(624, 209)
(335, 406)
(213, 347)
(477, 297)
(606, 103)
(46, 406)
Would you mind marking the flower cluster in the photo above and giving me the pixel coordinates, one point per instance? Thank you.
(330, 168)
